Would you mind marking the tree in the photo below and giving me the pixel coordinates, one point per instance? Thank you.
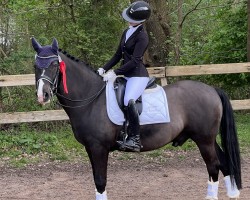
(159, 32)
(248, 31)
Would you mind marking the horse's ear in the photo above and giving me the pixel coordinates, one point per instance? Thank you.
(35, 45)
(55, 45)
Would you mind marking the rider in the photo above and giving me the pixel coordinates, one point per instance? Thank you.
(133, 44)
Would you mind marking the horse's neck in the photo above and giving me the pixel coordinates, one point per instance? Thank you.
(82, 81)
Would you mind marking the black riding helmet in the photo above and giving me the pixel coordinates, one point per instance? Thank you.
(137, 12)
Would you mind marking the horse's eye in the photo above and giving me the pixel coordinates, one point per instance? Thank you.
(55, 63)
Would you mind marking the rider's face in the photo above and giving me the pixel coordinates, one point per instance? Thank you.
(133, 24)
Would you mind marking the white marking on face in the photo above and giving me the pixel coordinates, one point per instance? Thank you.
(43, 72)
(40, 88)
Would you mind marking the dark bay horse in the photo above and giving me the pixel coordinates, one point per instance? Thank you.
(197, 111)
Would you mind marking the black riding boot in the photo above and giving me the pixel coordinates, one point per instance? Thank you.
(124, 130)
(132, 143)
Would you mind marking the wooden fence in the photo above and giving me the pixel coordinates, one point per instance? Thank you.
(158, 72)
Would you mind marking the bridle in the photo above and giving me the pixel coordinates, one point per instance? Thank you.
(54, 86)
(54, 81)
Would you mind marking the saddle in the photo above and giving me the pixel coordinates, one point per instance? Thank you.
(120, 86)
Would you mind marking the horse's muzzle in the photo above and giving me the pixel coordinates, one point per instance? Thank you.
(45, 98)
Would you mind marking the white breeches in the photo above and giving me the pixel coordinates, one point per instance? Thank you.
(134, 88)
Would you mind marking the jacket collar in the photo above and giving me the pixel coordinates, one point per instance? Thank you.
(138, 30)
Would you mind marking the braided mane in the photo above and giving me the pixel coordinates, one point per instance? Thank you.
(75, 59)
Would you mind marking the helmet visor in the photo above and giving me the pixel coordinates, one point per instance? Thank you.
(128, 19)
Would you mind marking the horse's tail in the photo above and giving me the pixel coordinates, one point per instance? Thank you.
(229, 139)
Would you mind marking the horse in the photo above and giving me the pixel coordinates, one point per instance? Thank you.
(198, 112)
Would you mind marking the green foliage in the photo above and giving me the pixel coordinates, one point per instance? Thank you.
(20, 147)
(214, 33)
(217, 33)
(19, 62)
(231, 36)
(230, 39)
(243, 127)
(86, 29)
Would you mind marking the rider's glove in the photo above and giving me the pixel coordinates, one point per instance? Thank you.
(109, 76)
(100, 71)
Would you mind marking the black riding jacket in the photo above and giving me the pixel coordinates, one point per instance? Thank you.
(131, 55)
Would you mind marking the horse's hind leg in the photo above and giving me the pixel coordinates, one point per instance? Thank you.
(232, 190)
(99, 159)
(209, 155)
(223, 163)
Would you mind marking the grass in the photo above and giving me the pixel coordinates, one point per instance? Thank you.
(243, 128)
(19, 148)
(22, 146)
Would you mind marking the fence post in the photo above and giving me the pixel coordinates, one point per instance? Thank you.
(164, 81)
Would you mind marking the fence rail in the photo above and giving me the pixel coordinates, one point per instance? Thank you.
(158, 72)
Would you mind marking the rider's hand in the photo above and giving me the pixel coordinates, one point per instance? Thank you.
(109, 76)
(100, 71)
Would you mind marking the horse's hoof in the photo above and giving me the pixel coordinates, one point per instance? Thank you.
(236, 197)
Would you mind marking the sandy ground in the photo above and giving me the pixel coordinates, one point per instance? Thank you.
(178, 177)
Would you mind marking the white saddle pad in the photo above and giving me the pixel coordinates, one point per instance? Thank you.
(154, 106)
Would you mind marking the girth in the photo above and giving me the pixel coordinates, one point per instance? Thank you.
(120, 86)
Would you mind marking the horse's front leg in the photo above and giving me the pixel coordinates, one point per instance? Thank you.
(98, 155)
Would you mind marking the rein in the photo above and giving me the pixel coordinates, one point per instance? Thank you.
(89, 99)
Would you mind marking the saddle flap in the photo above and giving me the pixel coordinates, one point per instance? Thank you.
(119, 87)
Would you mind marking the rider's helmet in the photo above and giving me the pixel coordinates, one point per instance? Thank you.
(137, 12)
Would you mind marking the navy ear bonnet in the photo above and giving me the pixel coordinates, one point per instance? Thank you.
(45, 54)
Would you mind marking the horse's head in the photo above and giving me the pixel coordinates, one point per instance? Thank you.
(46, 70)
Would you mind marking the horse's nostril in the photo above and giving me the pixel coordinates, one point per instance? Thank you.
(46, 96)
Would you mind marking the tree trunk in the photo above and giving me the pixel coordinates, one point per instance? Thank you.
(158, 29)
(159, 32)
(179, 32)
(248, 31)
